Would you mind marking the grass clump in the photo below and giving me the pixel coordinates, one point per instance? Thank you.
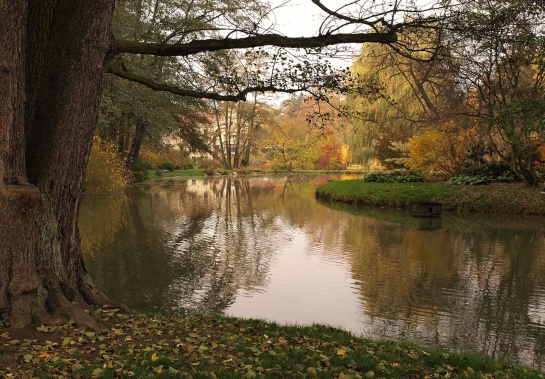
(217, 347)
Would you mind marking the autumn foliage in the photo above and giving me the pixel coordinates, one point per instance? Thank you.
(442, 151)
(106, 170)
(334, 154)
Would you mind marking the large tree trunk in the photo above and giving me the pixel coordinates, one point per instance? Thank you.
(18, 271)
(65, 46)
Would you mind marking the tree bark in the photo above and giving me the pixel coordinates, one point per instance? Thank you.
(55, 52)
(136, 144)
(199, 46)
(18, 200)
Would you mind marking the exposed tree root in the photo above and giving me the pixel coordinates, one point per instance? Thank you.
(92, 295)
(27, 310)
(66, 310)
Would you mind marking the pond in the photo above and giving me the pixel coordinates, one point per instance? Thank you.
(266, 248)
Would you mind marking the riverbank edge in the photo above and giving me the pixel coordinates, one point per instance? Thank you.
(504, 198)
(158, 175)
(151, 346)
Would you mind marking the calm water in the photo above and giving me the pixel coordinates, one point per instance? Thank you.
(265, 248)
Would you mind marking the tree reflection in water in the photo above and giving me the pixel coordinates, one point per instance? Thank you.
(263, 247)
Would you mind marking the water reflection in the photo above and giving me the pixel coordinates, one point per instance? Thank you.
(265, 248)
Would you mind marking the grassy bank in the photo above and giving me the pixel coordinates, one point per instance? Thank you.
(494, 198)
(214, 347)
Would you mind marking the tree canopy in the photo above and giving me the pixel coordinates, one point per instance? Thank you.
(480, 69)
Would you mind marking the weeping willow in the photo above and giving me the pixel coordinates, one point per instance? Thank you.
(405, 94)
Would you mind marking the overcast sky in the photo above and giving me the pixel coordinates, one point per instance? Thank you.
(301, 18)
(297, 18)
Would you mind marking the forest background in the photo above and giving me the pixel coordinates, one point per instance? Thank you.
(463, 99)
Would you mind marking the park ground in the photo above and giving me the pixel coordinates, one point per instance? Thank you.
(155, 346)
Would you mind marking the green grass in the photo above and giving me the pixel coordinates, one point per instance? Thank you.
(492, 198)
(216, 347)
(384, 194)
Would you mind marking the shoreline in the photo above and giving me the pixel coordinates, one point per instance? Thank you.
(155, 346)
(500, 198)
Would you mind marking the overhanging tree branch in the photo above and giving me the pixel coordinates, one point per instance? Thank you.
(199, 46)
(121, 72)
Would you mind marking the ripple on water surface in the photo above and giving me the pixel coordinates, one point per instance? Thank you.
(266, 248)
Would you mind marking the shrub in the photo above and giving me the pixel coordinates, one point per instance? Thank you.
(482, 179)
(171, 156)
(470, 180)
(169, 166)
(443, 150)
(144, 164)
(393, 177)
(492, 169)
(152, 158)
(106, 170)
(485, 173)
(140, 172)
(206, 163)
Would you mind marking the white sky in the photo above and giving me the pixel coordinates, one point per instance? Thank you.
(301, 18)
(298, 18)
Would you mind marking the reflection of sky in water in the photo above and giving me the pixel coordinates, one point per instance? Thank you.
(264, 248)
(300, 288)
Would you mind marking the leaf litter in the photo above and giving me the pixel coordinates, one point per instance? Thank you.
(153, 346)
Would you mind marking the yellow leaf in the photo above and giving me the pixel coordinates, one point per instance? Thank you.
(97, 371)
(154, 357)
(159, 369)
(341, 352)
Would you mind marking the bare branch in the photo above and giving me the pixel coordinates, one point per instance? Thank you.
(378, 20)
(121, 72)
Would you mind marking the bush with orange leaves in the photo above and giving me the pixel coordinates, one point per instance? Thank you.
(441, 151)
